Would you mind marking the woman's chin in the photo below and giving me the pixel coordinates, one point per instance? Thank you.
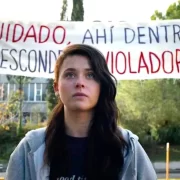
(80, 107)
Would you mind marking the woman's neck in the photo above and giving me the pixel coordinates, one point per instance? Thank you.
(77, 123)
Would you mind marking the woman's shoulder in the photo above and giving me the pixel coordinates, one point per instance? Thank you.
(128, 135)
(40, 132)
(35, 138)
(32, 140)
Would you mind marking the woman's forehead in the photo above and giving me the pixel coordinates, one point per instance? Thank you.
(76, 62)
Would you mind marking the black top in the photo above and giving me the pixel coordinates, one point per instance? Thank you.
(76, 150)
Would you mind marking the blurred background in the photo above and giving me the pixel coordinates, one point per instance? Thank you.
(149, 108)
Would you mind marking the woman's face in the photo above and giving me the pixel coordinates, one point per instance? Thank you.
(77, 86)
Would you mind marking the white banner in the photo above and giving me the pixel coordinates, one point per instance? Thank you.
(148, 50)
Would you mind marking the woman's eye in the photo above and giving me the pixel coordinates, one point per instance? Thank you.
(90, 75)
(70, 75)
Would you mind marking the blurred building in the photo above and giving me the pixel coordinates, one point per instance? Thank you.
(34, 104)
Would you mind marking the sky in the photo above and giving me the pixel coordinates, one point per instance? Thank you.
(104, 10)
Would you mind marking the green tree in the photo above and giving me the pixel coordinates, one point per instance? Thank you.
(51, 98)
(147, 106)
(20, 81)
(64, 9)
(173, 12)
(77, 11)
(9, 109)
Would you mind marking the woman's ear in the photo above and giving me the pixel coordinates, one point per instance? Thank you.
(55, 86)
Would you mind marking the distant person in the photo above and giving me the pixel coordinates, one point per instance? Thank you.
(82, 140)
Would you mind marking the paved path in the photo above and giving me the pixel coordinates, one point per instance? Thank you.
(172, 175)
(2, 174)
(174, 165)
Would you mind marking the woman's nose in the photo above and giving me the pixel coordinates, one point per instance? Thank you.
(79, 85)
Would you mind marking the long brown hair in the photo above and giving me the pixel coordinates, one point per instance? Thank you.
(105, 143)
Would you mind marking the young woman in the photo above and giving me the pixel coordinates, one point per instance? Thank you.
(82, 140)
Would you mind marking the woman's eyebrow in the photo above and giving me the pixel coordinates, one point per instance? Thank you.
(73, 69)
(70, 69)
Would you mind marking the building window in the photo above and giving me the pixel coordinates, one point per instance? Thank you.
(25, 90)
(32, 92)
(12, 87)
(44, 91)
(35, 92)
(38, 92)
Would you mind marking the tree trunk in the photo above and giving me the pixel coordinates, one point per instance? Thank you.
(19, 127)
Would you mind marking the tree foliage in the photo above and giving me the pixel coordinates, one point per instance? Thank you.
(20, 81)
(9, 109)
(147, 106)
(64, 9)
(173, 12)
(50, 97)
(77, 11)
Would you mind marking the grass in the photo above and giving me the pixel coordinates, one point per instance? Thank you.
(159, 153)
(3, 161)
